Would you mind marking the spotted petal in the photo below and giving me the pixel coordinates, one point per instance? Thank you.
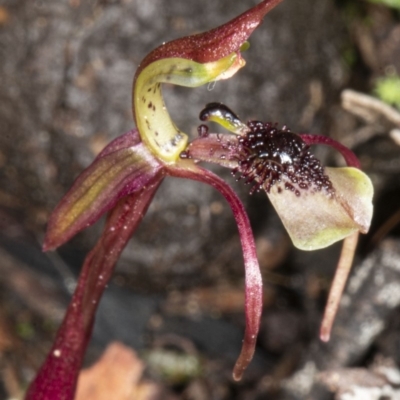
(190, 61)
(315, 220)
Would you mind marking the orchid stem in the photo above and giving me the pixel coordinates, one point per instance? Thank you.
(338, 284)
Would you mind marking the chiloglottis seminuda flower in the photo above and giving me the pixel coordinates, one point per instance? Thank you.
(124, 177)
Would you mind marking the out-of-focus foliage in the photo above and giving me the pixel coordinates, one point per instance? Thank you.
(389, 3)
(388, 88)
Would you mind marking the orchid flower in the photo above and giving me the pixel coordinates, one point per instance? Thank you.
(317, 205)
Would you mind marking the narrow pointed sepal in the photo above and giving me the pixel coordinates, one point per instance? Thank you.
(123, 167)
(350, 158)
(316, 219)
(253, 278)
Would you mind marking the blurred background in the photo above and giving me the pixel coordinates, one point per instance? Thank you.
(176, 299)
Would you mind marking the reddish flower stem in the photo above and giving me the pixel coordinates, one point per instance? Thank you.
(57, 378)
(339, 282)
(349, 245)
(253, 278)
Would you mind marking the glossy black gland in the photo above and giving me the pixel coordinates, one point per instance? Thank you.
(220, 110)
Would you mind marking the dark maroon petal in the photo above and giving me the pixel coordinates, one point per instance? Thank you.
(56, 380)
(123, 167)
(253, 279)
(350, 158)
(215, 44)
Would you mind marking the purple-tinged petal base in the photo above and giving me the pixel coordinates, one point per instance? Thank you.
(253, 279)
(57, 378)
(216, 148)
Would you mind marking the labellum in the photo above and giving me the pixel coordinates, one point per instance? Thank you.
(318, 205)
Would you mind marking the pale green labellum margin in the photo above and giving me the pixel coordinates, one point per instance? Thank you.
(315, 220)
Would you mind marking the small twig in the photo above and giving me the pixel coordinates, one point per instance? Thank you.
(369, 108)
(395, 136)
